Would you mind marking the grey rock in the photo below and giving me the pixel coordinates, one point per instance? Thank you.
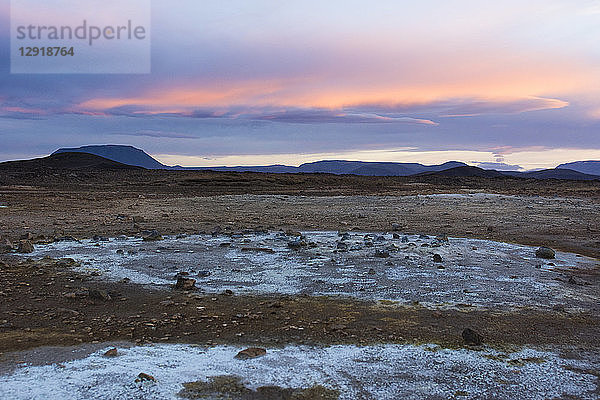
(472, 337)
(25, 246)
(545, 252)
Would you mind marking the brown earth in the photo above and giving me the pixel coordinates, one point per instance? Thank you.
(45, 303)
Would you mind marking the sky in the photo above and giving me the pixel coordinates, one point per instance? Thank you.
(505, 85)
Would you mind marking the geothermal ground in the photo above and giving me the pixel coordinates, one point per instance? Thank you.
(343, 290)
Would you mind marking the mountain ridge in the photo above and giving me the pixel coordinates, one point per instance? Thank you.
(126, 155)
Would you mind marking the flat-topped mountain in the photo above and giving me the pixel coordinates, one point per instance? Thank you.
(123, 154)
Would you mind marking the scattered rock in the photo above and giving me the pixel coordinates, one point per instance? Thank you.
(371, 271)
(227, 292)
(203, 274)
(396, 235)
(545, 252)
(143, 377)
(99, 294)
(111, 353)
(25, 246)
(381, 254)
(404, 239)
(98, 238)
(341, 246)
(472, 337)
(251, 352)
(437, 258)
(185, 283)
(296, 244)
(152, 235)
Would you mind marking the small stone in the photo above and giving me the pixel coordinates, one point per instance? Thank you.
(437, 258)
(111, 353)
(404, 239)
(296, 244)
(472, 337)
(442, 238)
(25, 246)
(382, 254)
(251, 352)
(545, 252)
(371, 271)
(143, 377)
(227, 292)
(152, 235)
(185, 283)
(98, 294)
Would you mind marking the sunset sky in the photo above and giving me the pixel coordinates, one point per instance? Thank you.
(507, 85)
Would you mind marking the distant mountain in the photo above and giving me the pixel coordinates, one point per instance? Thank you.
(467, 171)
(70, 161)
(341, 167)
(560, 173)
(373, 168)
(123, 154)
(586, 167)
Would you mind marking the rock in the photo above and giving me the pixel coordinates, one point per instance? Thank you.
(143, 377)
(66, 239)
(472, 337)
(185, 283)
(437, 258)
(98, 238)
(442, 238)
(251, 352)
(371, 271)
(381, 254)
(203, 274)
(397, 227)
(423, 236)
(227, 292)
(290, 232)
(25, 246)
(296, 244)
(404, 239)
(111, 353)
(545, 252)
(341, 246)
(138, 219)
(152, 235)
(6, 246)
(396, 235)
(259, 250)
(26, 236)
(99, 294)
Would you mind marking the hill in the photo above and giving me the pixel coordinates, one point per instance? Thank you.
(66, 161)
(467, 171)
(123, 154)
(585, 167)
